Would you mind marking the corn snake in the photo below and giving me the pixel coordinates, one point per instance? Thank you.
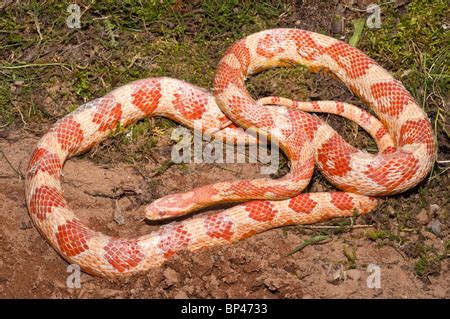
(403, 134)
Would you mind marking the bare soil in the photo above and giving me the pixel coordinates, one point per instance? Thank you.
(258, 267)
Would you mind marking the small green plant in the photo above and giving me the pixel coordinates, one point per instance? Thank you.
(350, 256)
(6, 115)
(381, 234)
(427, 264)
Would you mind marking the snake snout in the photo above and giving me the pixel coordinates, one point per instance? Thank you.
(153, 213)
(164, 208)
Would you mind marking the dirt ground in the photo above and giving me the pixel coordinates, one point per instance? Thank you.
(255, 268)
(407, 237)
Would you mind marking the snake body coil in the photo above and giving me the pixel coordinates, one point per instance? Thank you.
(403, 134)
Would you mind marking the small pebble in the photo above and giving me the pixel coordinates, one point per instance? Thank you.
(334, 278)
(118, 217)
(434, 208)
(435, 226)
(170, 276)
(391, 211)
(422, 217)
(181, 294)
(353, 274)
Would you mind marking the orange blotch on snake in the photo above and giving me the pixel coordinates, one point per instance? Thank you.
(391, 97)
(38, 153)
(242, 54)
(417, 131)
(302, 204)
(335, 155)
(72, 238)
(226, 75)
(147, 95)
(343, 201)
(393, 170)
(44, 161)
(340, 107)
(308, 123)
(123, 254)
(389, 150)
(190, 103)
(107, 113)
(44, 199)
(354, 62)
(382, 131)
(219, 226)
(261, 211)
(69, 133)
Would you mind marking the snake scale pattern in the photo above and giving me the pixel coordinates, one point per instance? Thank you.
(402, 131)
